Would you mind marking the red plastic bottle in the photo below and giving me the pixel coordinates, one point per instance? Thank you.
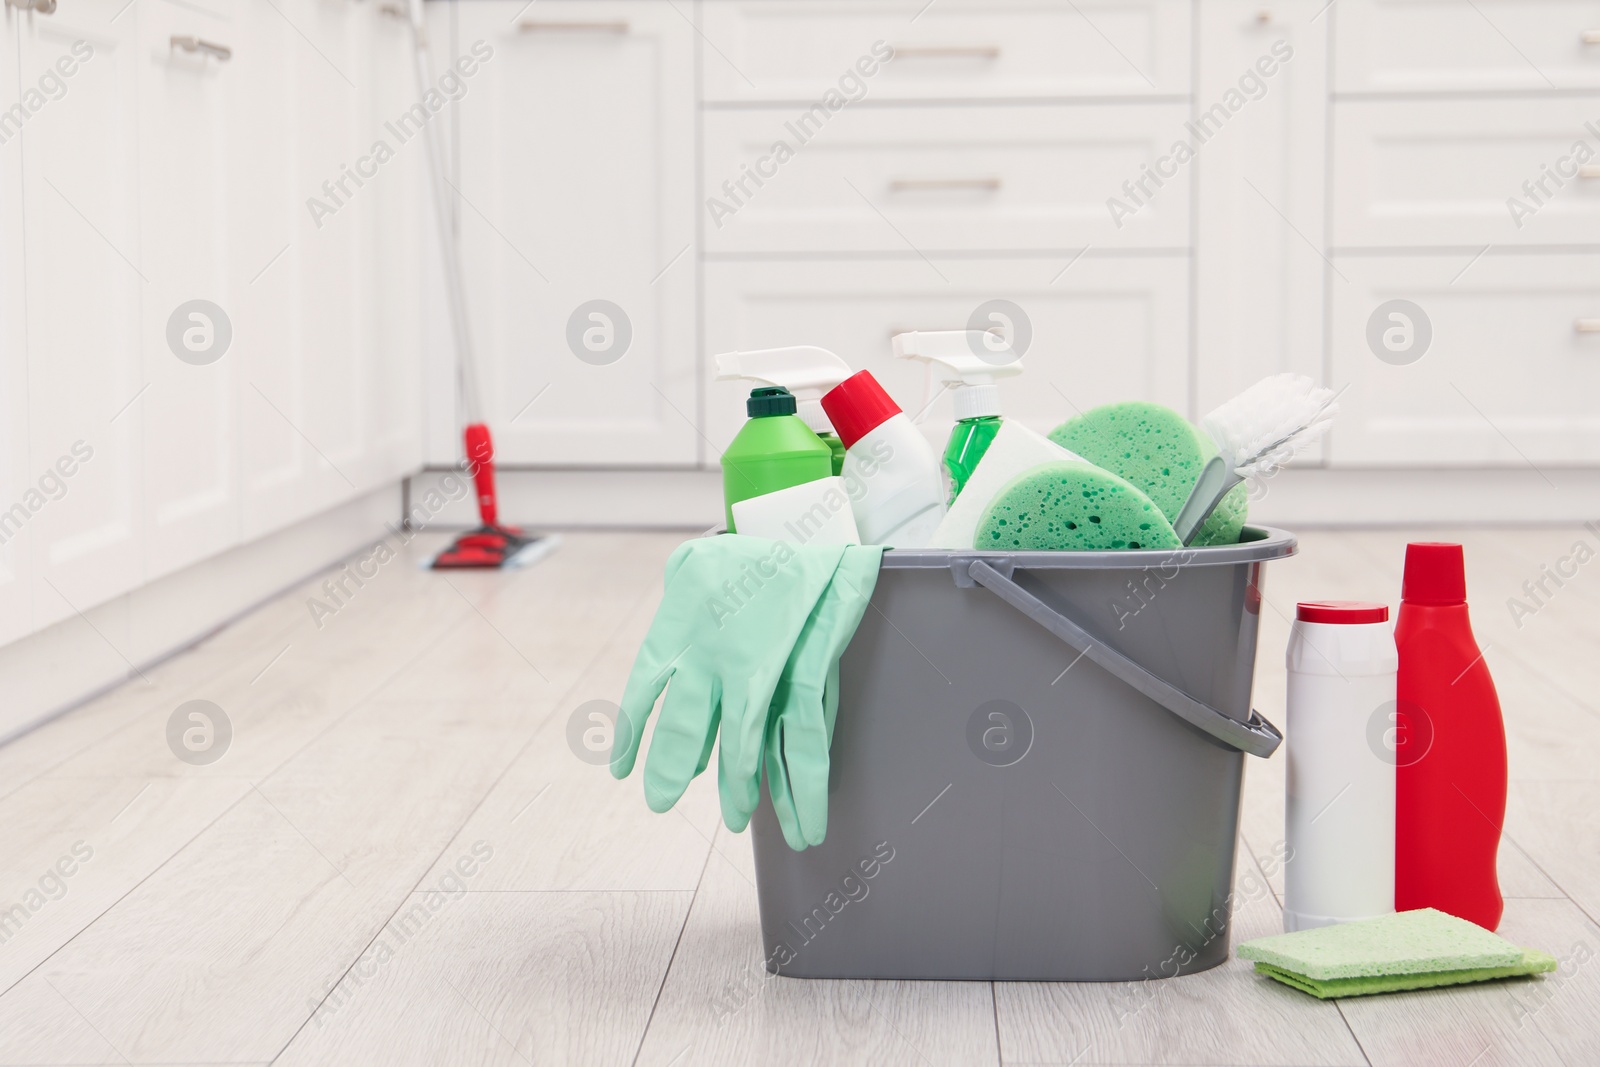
(1450, 773)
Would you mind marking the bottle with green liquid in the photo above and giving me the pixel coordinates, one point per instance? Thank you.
(970, 363)
(774, 450)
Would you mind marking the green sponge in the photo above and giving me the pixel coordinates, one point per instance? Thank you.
(1159, 451)
(1066, 505)
(1408, 950)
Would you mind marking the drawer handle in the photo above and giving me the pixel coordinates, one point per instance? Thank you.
(917, 185)
(203, 47)
(1589, 170)
(617, 27)
(977, 51)
(1587, 325)
(393, 11)
(1591, 36)
(43, 7)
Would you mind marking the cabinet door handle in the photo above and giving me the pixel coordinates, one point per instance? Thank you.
(1587, 325)
(208, 48)
(393, 11)
(618, 27)
(1589, 170)
(43, 7)
(917, 185)
(977, 51)
(1591, 36)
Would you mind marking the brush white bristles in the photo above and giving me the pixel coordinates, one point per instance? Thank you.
(1265, 426)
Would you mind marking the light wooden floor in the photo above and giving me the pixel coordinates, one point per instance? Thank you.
(299, 900)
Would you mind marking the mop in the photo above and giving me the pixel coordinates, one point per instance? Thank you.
(491, 545)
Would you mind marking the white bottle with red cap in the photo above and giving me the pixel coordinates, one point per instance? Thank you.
(1341, 714)
(890, 471)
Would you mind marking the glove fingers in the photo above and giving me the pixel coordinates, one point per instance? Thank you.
(645, 682)
(688, 718)
(779, 790)
(804, 756)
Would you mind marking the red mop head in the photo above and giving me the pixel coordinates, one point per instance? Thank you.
(491, 545)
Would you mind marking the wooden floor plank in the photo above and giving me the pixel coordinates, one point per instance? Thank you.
(1227, 1015)
(719, 1005)
(502, 979)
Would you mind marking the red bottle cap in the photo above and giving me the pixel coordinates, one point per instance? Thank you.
(1347, 612)
(1435, 573)
(857, 406)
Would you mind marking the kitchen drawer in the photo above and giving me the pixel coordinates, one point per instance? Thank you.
(891, 179)
(796, 50)
(1110, 328)
(1508, 378)
(1444, 172)
(1423, 46)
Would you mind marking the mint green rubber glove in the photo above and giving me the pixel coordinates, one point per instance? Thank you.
(733, 608)
(800, 728)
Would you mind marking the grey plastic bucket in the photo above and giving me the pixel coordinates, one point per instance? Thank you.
(1036, 770)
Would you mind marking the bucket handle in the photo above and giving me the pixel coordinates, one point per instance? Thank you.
(1256, 736)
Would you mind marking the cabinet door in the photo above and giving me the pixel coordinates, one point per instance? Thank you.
(1113, 328)
(577, 142)
(187, 87)
(1259, 224)
(86, 281)
(16, 545)
(1493, 364)
(1455, 173)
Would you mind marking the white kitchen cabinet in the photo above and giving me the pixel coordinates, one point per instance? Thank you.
(16, 545)
(1509, 374)
(577, 140)
(797, 50)
(1427, 46)
(1452, 173)
(997, 179)
(188, 86)
(1107, 329)
(1259, 228)
(85, 289)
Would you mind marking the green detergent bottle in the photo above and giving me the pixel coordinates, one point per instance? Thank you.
(774, 450)
(806, 371)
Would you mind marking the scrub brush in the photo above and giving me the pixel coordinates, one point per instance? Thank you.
(1256, 432)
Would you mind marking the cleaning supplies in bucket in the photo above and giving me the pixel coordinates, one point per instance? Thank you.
(1339, 820)
(971, 363)
(1418, 949)
(746, 642)
(774, 450)
(1450, 788)
(806, 371)
(893, 476)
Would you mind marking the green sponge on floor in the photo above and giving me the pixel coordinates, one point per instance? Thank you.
(1159, 451)
(1408, 950)
(1066, 505)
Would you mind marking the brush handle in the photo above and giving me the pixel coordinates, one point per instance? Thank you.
(1213, 484)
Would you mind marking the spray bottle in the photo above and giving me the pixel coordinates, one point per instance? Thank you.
(971, 363)
(806, 371)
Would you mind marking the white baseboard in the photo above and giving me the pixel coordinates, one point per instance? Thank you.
(1301, 497)
(66, 664)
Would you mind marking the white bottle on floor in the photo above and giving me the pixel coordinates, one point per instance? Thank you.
(1339, 820)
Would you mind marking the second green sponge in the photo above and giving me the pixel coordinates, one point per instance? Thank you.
(1159, 451)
